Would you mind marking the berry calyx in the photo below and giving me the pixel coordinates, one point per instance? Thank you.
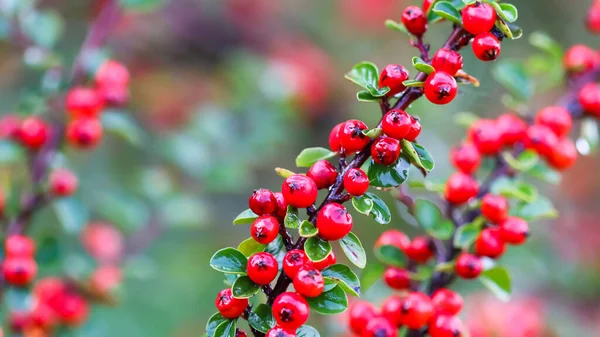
(494, 208)
(468, 266)
(84, 133)
(333, 221)
(512, 129)
(445, 326)
(309, 282)
(447, 60)
(440, 88)
(486, 136)
(83, 102)
(460, 188)
(19, 271)
(386, 150)
(397, 278)
(392, 76)
(33, 133)
(290, 310)
(486, 47)
(360, 313)
(564, 155)
(329, 260)
(356, 182)
(465, 158)
(264, 229)
(478, 18)
(352, 138)
(420, 249)
(396, 124)
(323, 173)
(446, 301)
(490, 243)
(262, 268)
(557, 118)
(293, 261)
(299, 191)
(414, 20)
(62, 182)
(262, 202)
(18, 245)
(393, 237)
(417, 310)
(541, 139)
(229, 306)
(514, 230)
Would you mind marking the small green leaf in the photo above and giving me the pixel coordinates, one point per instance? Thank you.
(229, 260)
(243, 287)
(365, 96)
(344, 276)
(123, 125)
(502, 26)
(374, 133)
(261, 318)
(514, 189)
(388, 176)
(377, 92)
(524, 162)
(10, 152)
(397, 26)
(317, 249)
(427, 213)
(332, 302)
(418, 156)
(43, 27)
(371, 274)
(514, 77)
(545, 43)
(541, 208)
(447, 11)
(466, 235)
(364, 74)
(307, 229)
(246, 217)
(284, 173)
(354, 250)
(390, 255)
(544, 173)
(497, 280)
(72, 214)
(311, 155)
(250, 247)
(291, 219)
(508, 12)
(307, 331)
(421, 66)
(363, 205)
(277, 249)
(230, 278)
(371, 204)
(413, 84)
(213, 323)
(226, 329)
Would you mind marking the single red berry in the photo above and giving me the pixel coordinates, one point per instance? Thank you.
(414, 20)
(299, 191)
(397, 278)
(460, 188)
(360, 313)
(105, 279)
(290, 310)
(323, 173)
(486, 136)
(334, 138)
(309, 282)
(19, 320)
(417, 310)
(281, 205)
(262, 268)
(84, 102)
(486, 47)
(84, 133)
(112, 73)
(9, 127)
(446, 301)
(494, 208)
(420, 249)
(334, 222)
(391, 309)
(564, 155)
(478, 18)
(17, 245)
(329, 260)
(386, 150)
(541, 139)
(352, 138)
(63, 182)
(262, 202)
(293, 261)
(392, 76)
(465, 158)
(396, 124)
(514, 230)
(50, 290)
(264, 229)
(19, 271)
(445, 326)
(229, 306)
(427, 5)
(557, 118)
(447, 60)
(592, 21)
(278, 331)
(356, 182)
(379, 327)
(73, 310)
(440, 87)
(512, 129)
(468, 266)
(33, 132)
(589, 99)
(580, 58)
(393, 237)
(116, 96)
(42, 316)
(490, 243)
(415, 130)
(240, 333)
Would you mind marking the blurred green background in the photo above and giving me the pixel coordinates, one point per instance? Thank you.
(226, 90)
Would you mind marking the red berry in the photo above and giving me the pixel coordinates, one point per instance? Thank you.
(356, 182)
(17, 245)
(309, 282)
(352, 138)
(334, 222)
(564, 155)
(84, 133)
(73, 310)
(414, 20)
(329, 260)
(397, 278)
(290, 310)
(19, 271)
(50, 291)
(427, 5)
(280, 332)
(490, 243)
(465, 158)
(580, 58)
(299, 191)
(445, 326)
(240, 333)
(417, 310)
(396, 124)
(379, 327)
(514, 230)
(391, 309)
(106, 279)
(415, 130)
(334, 138)
(420, 250)
(494, 208)
(262, 202)
(557, 118)
(541, 139)
(42, 316)
(229, 306)
(360, 313)
(486, 136)
(486, 47)
(83, 102)
(264, 229)
(386, 150)
(281, 205)
(103, 242)
(478, 18)
(293, 261)
(112, 73)
(440, 87)
(63, 182)
(446, 301)
(33, 133)
(9, 127)
(460, 188)
(592, 21)
(392, 76)
(468, 266)
(19, 320)
(393, 237)
(448, 61)
(589, 99)
(512, 129)
(323, 173)
(262, 268)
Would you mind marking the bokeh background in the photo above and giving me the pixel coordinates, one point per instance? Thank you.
(226, 90)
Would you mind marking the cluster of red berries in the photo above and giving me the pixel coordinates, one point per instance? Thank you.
(19, 267)
(419, 250)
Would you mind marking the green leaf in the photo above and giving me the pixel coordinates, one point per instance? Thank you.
(508, 12)
(514, 77)
(418, 156)
(307, 229)
(261, 318)
(72, 214)
(544, 173)
(515, 31)
(425, 157)
(427, 213)
(514, 189)
(447, 11)
(541, 208)
(311, 155)
(354, 250)
(421, 66)
(277, 249)
(524, 162)
(213, 323)
(363, 205)
(364, 74)
(243, 287)
(226, 329)
(377, 92)
(307, 331)
(291, 219)
(329, 303)
(44, 28)
(374, 133)
(390, 255)
(246, 217)
(466, 235)
(284, 173)
(10, 152)
(388, 176)
(413, 84)
(122, 125)
(229, 260)
(343, 276)
(230, 278)
(317, 249)
(371, 274)
(371, 204)
(142, 5)
(397, 26)
(365, 96)
(497, 280)
(545, 43)
(250, 247)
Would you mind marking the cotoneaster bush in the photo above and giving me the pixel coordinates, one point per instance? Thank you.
(468, 222)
